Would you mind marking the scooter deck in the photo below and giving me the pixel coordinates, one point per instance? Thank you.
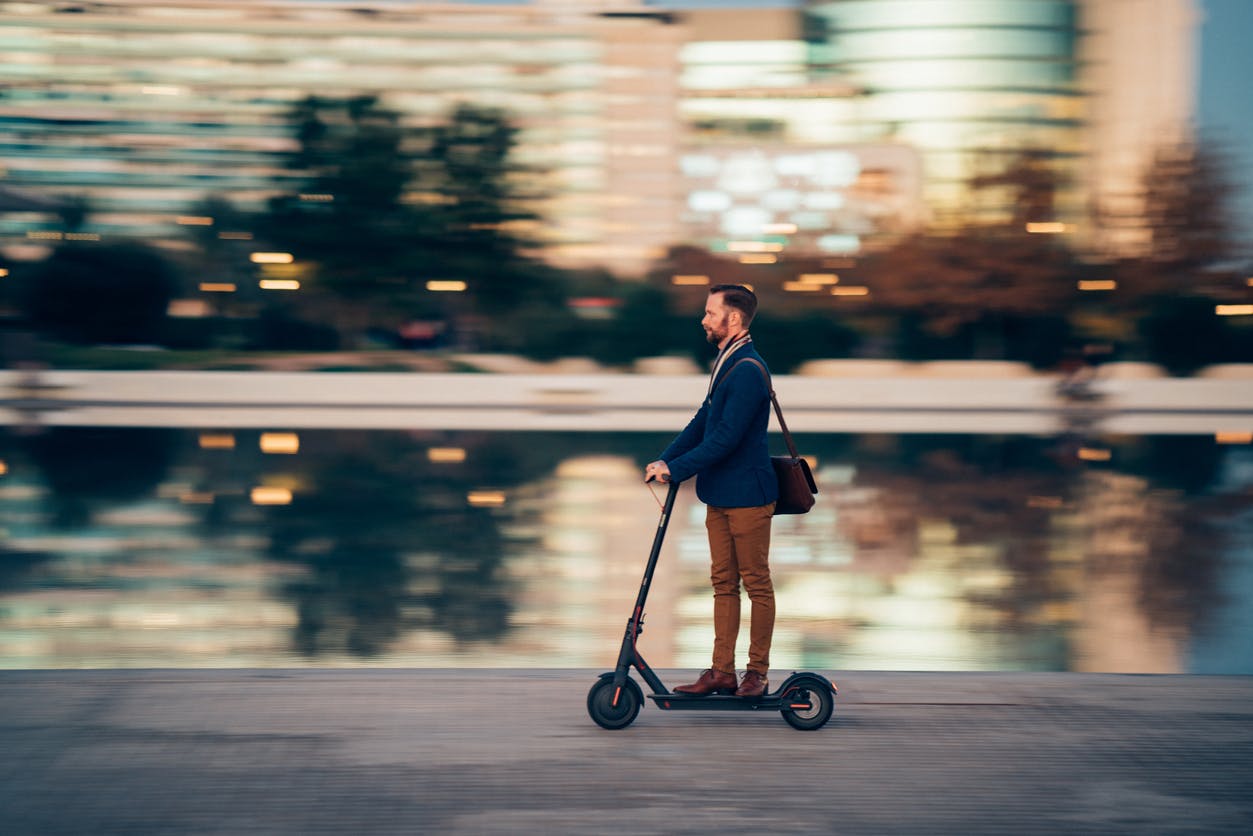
(722, 702)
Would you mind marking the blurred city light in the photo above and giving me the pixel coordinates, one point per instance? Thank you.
(217, 287)
(818, 278)
(187, 308)
(758, 259)
(446, 286)
(1047, 228)
(195, 220)
(196, 498)
(217, 441)
(446, 455)
(270, 496)
(689, 280)
(486, 499)
(279, 284)
(779, 229)
(1097, 284)
(280, 443)
(1233, 310)
(4, 467)
(271, 258)
(850, 290)
(1234, 437)
(1095, 454)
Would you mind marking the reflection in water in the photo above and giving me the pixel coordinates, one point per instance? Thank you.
(178, 548)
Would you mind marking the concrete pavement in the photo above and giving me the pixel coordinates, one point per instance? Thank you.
(495, 752)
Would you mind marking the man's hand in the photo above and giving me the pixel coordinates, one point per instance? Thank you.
(657, 470)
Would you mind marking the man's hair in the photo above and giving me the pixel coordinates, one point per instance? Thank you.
(739, 297)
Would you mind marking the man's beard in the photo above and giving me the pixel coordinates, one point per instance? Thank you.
(718, 333)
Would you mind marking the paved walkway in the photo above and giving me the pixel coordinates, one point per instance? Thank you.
(513, 752)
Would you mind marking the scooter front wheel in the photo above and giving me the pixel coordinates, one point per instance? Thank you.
(611, 714)
(807, 705)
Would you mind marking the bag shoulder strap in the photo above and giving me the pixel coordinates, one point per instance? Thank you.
(778, 411)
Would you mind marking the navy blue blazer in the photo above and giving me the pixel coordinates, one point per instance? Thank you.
(724, 445)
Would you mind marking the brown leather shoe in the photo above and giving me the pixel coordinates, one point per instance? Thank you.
(753, 685)
(711, 681)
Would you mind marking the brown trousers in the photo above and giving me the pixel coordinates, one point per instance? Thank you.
(739, 549)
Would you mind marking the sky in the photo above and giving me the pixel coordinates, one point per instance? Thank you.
(1224, 103)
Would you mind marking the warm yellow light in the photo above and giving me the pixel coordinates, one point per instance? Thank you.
(270, 496)
(1094, 454)
(801, 287)
(280, 443)
(272, 258)
(446, 455)
(318, 198)
(754, 247)
(1046, 227)
(1233, 310)
(217, 441)
(446, 286)
(3, 272)
(1097, 284)
(1249, 281)
(818, 278)
(195, 220)
(279, 284)
(778, 229)
(689, 280)
(850, 290)
(758, 259)
(486, 499)
(4, 468)
(44, 235)
(196, 498)
(217, 287)
(1229, 437)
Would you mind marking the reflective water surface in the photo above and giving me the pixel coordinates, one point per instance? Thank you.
(185, 548)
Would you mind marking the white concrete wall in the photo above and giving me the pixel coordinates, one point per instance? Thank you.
(909, 398)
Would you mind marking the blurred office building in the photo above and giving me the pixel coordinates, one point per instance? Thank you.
(817, 127)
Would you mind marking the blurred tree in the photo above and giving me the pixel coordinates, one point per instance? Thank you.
(1171, 290)
(465, 166)
(100, 293)
(993, 288)
(380, 208)
(90, 468)
(1187, 192)
(1015, 191)
(982, 286)
(345, 217)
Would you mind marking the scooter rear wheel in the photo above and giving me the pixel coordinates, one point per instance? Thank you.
(821, 704)
(600, 703)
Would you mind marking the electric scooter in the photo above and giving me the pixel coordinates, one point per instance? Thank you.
(806, 700)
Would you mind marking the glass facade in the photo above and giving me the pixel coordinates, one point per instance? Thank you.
(964, 81)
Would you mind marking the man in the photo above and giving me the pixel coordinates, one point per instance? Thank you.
(724, 446)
